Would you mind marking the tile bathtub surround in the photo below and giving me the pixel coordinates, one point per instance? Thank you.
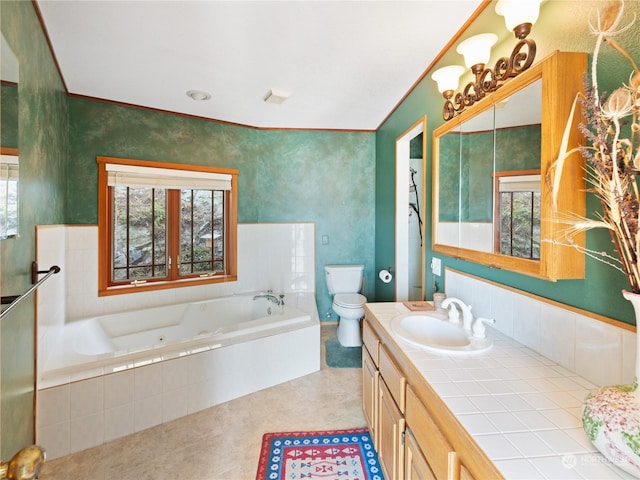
(221, 442)
(80, 415)
(280, 256)
(85, 413)
(602, 353)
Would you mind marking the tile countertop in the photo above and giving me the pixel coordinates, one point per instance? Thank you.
(521, 408)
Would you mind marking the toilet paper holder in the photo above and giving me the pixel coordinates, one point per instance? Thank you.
(385, 275)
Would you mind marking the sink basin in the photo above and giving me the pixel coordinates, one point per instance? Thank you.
(437, 335)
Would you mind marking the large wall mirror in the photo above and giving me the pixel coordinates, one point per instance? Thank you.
(491, 200)
(9, 159)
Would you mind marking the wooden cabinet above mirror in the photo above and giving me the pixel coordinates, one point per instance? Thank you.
(491, 199)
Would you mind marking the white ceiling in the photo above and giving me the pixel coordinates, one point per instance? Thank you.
(346, 64)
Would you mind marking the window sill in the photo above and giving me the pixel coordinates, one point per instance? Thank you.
(163, 285)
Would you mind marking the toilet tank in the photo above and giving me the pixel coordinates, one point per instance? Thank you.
(343, 278)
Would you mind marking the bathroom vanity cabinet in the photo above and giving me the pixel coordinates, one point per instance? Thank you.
(415, 434)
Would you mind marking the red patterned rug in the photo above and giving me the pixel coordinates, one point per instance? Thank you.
(335, 455)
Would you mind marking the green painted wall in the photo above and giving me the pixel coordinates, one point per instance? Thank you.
(285, 176)
(9, 116)
(563, 25)
(43, 145)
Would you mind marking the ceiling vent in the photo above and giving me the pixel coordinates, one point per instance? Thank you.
(276, 96)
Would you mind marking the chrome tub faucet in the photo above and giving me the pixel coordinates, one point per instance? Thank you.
(271, 297)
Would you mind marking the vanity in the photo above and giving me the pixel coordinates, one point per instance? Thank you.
(508, 412)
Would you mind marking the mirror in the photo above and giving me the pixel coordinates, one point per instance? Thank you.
(486, 161)
(490, 198)
(9, 160)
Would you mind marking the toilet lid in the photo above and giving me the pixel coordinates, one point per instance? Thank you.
(349, 300)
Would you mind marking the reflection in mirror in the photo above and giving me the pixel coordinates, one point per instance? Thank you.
(486, 199)
(517, 171)
(9, 165)
(466, 173)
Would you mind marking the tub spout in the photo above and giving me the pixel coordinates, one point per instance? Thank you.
(271, 298)
(25, 465)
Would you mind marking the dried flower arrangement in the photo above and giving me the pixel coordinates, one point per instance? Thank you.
(612, 153)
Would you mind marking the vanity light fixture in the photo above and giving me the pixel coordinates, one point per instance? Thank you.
(447, 79)
(519, 15)
(198, 95)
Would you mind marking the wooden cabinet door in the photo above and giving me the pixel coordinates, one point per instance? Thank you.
(390, 430)
(465, 474)
(415, 465)
(370, 378)
(439, 453)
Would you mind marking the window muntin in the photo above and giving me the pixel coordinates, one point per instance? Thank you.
(187, 238)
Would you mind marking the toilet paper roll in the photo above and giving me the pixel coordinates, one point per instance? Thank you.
(385, 276)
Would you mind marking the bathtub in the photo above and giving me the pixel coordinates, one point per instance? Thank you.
(111, 343)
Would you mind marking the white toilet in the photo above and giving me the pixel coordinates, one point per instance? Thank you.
(344, 283)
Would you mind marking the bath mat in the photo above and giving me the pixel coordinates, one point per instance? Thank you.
(333, 455)
(337, 356)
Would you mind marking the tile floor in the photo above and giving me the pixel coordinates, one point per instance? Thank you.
(223, 442)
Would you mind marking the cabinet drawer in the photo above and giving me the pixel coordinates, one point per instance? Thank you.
(371, 341)
(393, 377)
(438, 452)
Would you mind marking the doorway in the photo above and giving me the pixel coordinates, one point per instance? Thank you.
(411, 149)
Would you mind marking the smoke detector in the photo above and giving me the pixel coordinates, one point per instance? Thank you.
(276, 96)
(198, 95)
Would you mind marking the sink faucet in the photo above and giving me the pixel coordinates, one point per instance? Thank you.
(271, 297)
(454, 316)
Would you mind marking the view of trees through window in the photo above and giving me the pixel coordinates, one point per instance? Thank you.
(520, 224)
(141, 243)
(201, 231)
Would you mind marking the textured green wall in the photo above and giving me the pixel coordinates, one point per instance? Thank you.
(562, 26)
(9, 116)
(285, 176)
(43, 145)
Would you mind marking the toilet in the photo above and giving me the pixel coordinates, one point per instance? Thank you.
(344, 283)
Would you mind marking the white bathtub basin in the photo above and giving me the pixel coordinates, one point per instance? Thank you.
(437, 335)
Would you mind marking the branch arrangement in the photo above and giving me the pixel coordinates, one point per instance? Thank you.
(612, 150)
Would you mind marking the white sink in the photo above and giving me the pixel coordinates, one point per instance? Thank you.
(437, 335)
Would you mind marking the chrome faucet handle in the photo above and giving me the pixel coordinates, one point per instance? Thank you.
(281, 298)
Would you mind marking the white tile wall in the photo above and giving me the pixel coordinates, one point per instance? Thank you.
(85, 413)
(600, 352)
(279, 256)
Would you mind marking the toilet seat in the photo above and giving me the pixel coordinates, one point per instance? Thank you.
(349, 300)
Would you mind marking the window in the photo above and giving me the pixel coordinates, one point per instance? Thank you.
(518, 203)
(9, 172)
(165, 225)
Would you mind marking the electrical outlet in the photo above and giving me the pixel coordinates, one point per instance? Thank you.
(325, 239)
(436, 266)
